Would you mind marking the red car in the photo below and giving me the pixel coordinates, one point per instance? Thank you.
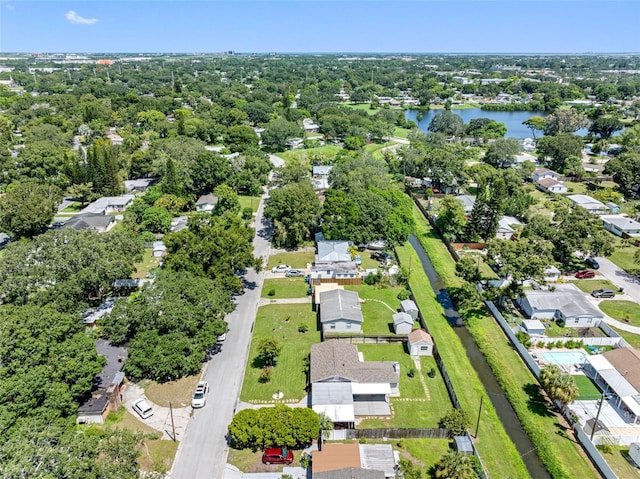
(587, 273)
(277, 455)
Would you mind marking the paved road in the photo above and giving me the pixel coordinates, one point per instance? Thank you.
(620, 278)
(203, 451)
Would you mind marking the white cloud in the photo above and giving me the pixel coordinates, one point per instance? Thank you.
(73, 17)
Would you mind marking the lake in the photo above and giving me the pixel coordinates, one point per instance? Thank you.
(512, 119)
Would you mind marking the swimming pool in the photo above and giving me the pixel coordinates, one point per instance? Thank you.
(564, 357)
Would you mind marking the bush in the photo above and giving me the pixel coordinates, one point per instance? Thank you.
(432, 373)
(404, 294)
(411, 373)
(265, 374)
(373, 278)
(457, 421)
(303, 328)
(271, 292)
(147, 237)
(524, 338)
(247, 213)
(363, 440)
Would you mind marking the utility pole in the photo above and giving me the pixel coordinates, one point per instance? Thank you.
(595, 424)
(173, 426)
(479, 413)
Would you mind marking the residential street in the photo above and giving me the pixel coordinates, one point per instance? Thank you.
(620, 278)
(203, 451)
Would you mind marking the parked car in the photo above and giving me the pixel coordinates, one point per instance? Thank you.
(377, 245)
(381, 256)
(143, 408)
(277, 455)
(603, 293)
(200, 395)
(592, 262)
(281, 268)
(222, 337)
(585, 274)
(295, 273)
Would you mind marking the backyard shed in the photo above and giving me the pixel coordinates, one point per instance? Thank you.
(634, 452)
(402, 323)
(463, 444)
(533, 326)
(409, 307)
(420, 343)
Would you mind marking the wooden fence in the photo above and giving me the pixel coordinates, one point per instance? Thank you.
(383, 433)
(367, 338)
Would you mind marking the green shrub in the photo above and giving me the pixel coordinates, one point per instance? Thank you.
(265, 374)
(303, 328)
(271, 292)
(363, 440)
(432, 373)
(404, 294)
(411, 373)
(247, 213)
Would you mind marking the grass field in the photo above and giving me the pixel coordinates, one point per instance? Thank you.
(559, 453)
(587, 388)
(377, 316)
(618, 459)
(498, 453)
(285, 288)
(249, 202)
(148, 263)
(178, 392)
(281, 321)
(631, 338)
(307, 156)
(623, 256)
(424, 452)
(627, 311)
(401, 132)
(74, 207)
(589, 285)
(295, 259)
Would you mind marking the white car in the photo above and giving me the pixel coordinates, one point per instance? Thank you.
(200, 394)
(281, 268)
(143, 408)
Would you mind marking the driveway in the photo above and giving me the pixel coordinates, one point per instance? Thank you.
(620, 278)
(203, 451)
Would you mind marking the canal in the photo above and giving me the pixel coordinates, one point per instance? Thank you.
(502, 406)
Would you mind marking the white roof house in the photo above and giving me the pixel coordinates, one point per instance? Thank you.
(467, 201)
(566, 303)
(590, 204)
(533, 326)
(402, 323)
(206, 203)
(333, 251)
(109, 204)
(506, 227)
(621, 225)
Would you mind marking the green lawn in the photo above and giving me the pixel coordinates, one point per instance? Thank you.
(589, 285)
(618, 461)
(285, 288)
(587, 388)
(281, 322)
(308, 156)
(424, 452)
(249, 202)
(623, 256)
(561, 456)
(295, 259)
(378, 317)
(498, 453)
(576, 188)
(401, 132)
(631, 338)
(148, 263)
(74, 207)
(178, 392)
(250, 461)
(363, 106)
(627, 311)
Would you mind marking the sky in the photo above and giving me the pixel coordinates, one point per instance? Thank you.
(320, 26)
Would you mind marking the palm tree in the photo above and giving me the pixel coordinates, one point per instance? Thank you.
(559, 385)
(455, 465)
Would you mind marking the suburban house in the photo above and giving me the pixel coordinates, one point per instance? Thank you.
(91, 316)
(402, 323)
(467, 201)
(333, 251)
(320, 176)
(179, 223)
(507, 227)
(590, 204)
(340, 311)
(622, 226)
(551, 274)
(354, 461)
(106, 395)
(419, 343)
(112, 134)
(139, 185)
(541, 173)
(567, 303)
(549, 185)
(109, 204)
(97, 222)
(309, 125)
(344, 386)
(343, 272)
(618, 372)
(409, 307)
(206, 203)
(533, 327)
(614, 208)
(159, 249)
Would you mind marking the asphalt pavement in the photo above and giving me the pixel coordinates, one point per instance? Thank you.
(202, 453)
(620, 278)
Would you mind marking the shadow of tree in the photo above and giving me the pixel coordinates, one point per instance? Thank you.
(537, 403)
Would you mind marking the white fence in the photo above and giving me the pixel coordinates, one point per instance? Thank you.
(586, 341)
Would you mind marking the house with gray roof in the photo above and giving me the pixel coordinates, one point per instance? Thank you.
(621, 225)
(206, 203)
(333, 251)
(566, 303)
(320, 176)
(340, 311)
(344, 386)
(467, 202)
(138, 185)
(590, 204)
(109, 204)
(91, 221)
